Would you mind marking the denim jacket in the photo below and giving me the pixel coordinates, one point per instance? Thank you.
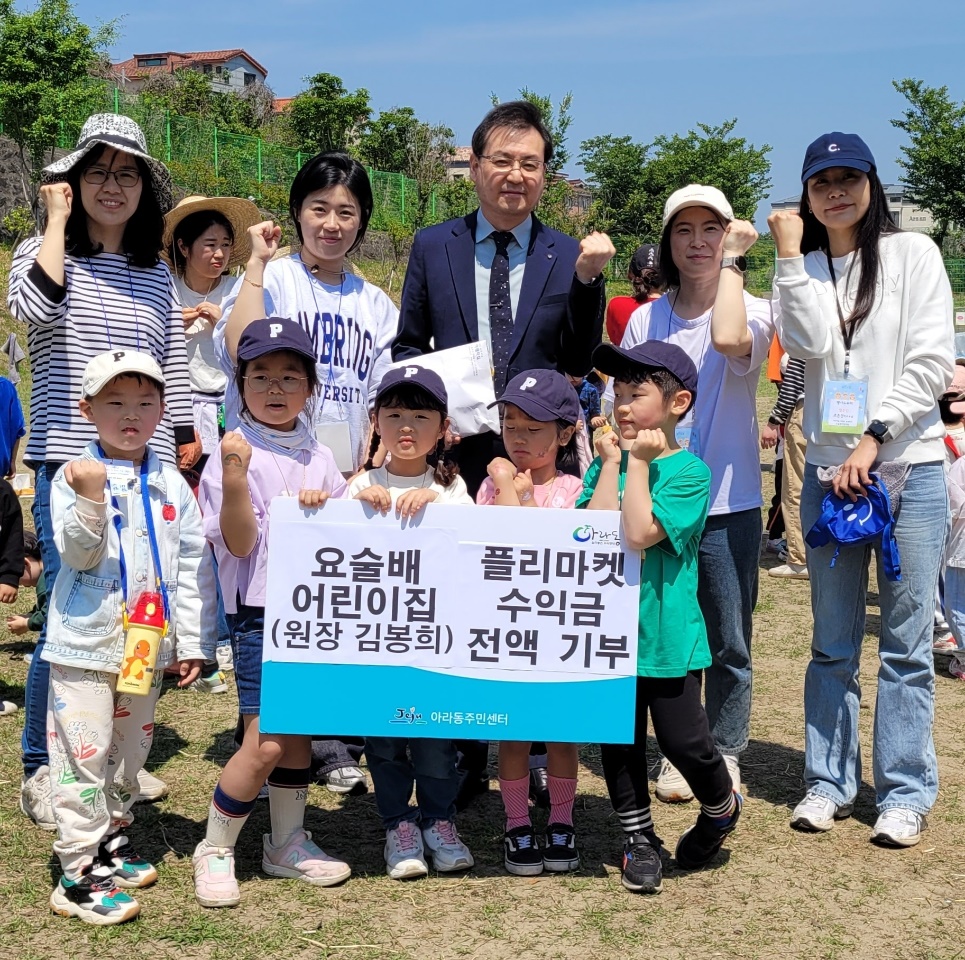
(84, 623)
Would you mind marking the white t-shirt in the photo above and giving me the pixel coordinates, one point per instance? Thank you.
(725, 414)
(456, 492)
(204, 369)
(352, 326)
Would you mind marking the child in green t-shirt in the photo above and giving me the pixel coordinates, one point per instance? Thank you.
(662, 492)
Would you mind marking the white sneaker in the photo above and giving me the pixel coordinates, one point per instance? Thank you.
(733, 768)
(898, 827)
(449, 853)
(214, 876)
(817, 814)
(149, 787)
(7, 707)
(35, 799)
(299, 858)
(790, 571)
(943, 641)
(345, 780)
(671, 786)
(404, 852)
(225, 658)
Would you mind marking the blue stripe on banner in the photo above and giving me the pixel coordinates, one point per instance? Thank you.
(389, 701)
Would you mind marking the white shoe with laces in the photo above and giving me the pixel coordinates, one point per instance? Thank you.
(449, 853)
(671, 785)
(35, 798)
(898, 827)
(733, 768)
(404, 852)
(816, 814)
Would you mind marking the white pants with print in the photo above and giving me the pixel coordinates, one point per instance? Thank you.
(98, 740)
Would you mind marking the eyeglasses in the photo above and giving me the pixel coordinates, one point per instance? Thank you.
(125, 177)
(259, 383)
(505, 164)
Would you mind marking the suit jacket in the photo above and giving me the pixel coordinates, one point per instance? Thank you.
(558, 322)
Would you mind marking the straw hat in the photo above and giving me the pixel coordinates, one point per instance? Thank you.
(241, 214)
(114, 130)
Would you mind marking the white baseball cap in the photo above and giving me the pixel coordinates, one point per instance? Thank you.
(695, 195)
(105, 366)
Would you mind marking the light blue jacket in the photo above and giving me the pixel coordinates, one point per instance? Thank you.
(84, 623)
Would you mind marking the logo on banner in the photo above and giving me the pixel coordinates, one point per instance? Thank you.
(589, 534)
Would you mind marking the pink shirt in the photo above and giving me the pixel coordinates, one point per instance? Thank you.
(561, 492)
(269, 475)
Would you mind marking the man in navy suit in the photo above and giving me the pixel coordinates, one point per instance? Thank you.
(556, 291)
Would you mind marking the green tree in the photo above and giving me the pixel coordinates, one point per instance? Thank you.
(47, 56)
(385, 143)
(326, 116)
(557, 122)
(934, 161)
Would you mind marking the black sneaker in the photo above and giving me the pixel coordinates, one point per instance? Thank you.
(539, 787)
(700, 844)
(130, 870)
(94, 898)
(642, 870)
(522, 857)
(559, 852)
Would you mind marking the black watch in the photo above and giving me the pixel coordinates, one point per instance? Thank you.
(878, 431)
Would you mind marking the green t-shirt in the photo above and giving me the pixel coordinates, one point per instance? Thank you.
(672, 633)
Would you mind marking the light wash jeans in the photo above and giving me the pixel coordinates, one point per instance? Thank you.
(955, 603)
(904, 763)
(727, 582)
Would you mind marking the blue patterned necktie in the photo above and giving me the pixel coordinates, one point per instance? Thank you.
(500, 309)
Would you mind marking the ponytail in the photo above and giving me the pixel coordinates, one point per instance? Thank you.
(373, 448)
(445, 468)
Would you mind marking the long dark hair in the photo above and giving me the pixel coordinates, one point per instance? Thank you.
(189, 229)
(143, 232)
(413, 397)
(875, 224)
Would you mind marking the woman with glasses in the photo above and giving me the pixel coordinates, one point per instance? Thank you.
(93, 283)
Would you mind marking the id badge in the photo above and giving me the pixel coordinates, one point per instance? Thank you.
(338, 438)
(687, 437)
(120, 473)
(844, 406)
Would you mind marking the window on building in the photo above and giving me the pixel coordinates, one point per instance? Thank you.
(895, 199)
(250, 78)
(206, 68)
(152, 61)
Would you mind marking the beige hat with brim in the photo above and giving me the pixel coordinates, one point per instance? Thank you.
(697, 195)
(241, 214)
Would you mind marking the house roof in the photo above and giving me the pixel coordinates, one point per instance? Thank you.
(177, 61)
(281, 104)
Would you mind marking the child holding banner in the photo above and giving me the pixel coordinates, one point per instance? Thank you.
(273, 453)
(662, 492)
(410, 420)
(541, 412)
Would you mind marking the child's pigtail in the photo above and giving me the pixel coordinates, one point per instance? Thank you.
(445, 468)
(373, 448)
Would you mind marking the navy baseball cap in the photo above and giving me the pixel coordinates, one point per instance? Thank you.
(413, 375)
(645, 257)
(649, 355)
(837, 150)
(543, 395)
(275, 333)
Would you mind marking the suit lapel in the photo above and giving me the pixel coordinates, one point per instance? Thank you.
(539, 264)
(461, 250)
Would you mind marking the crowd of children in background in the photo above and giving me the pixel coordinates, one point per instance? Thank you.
(142, 487)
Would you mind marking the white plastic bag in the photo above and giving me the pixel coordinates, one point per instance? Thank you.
(468, 376)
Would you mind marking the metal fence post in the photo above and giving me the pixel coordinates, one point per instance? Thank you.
(167, 136)
(117, 100)
(217, 175)
(259, 164)
(402, 211)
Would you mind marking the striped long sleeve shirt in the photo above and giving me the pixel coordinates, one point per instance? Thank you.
(105, 305)
(791, 390)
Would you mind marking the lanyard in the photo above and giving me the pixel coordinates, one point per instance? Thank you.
(847, 329)
(691, 415)
(330, 379)
(152, 536)
(97, 287)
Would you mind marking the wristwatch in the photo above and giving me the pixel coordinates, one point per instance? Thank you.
(739, 262)
(878, 431)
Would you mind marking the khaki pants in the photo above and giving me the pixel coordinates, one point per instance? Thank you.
(795, 447)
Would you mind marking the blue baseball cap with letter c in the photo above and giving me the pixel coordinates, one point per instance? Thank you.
(837, 150)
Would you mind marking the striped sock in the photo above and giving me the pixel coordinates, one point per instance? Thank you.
(226, 817)
(287, 796)
(636, 821)
(516, 802)
(720, 811)
(562, 793)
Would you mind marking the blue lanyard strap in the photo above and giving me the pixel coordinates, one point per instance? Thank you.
(152, 536)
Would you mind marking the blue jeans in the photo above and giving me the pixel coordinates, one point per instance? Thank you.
(34, 740)
(954, 603)
(904, 762)
(728, 559)
(432, 769)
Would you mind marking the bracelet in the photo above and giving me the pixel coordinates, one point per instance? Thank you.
(252, 282)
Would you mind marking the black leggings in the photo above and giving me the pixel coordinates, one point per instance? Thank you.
(681, 728)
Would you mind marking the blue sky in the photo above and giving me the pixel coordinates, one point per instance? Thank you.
(787, 71)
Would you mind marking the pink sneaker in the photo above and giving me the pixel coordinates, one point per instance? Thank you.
(300, 859)
(214, 876)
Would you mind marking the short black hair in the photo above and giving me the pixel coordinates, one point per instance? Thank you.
(190, 228)
(143, 232)
(332, 169)
(667, 383)
(31, 546)
(516, 115)
(242, 367)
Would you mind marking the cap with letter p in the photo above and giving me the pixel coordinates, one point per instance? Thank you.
(543, 395)
(105, 366)
(275, 333)
(414, 376)
(837, 150)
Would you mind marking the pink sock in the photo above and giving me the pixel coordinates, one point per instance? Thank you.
(562, 794)
(515, 801)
